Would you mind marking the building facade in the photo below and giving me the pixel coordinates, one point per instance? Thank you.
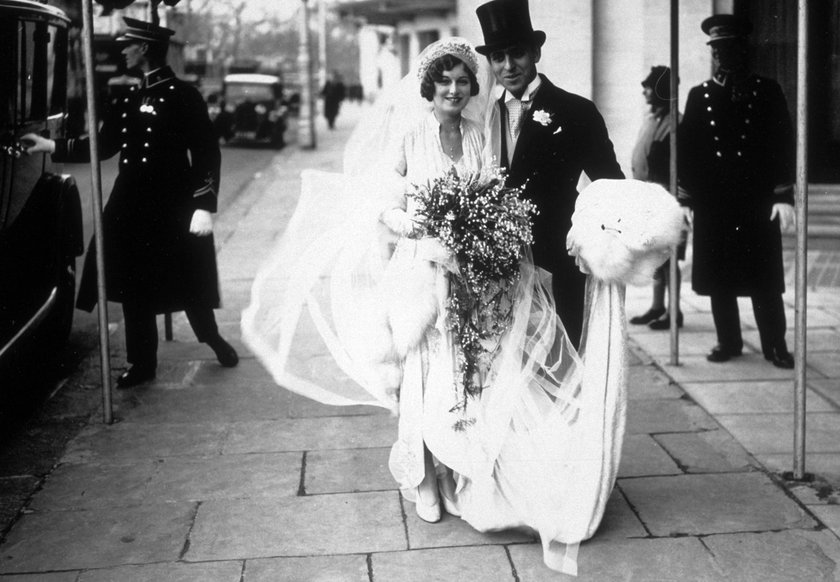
(602, 49)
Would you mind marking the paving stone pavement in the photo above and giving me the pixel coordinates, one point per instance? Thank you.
(213, 474)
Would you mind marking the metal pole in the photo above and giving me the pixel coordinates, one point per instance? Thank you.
(801, 243)
(674, 112)
(322, 43)
(154, 12)
(96, 194)
(306, 119)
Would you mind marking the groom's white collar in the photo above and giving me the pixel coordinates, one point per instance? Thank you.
(527, 96)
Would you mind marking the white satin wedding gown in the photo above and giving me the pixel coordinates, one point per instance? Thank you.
(337, 317)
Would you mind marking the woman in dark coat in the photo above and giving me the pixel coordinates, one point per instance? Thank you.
(651, 162)
(157, 225)
(736, 167)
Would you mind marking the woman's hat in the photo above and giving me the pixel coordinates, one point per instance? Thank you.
(139, 31)
(456, 46)
(725, 27)
(505, 23)
(659, 80)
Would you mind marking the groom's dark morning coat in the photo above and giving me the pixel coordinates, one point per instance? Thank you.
(561, 136)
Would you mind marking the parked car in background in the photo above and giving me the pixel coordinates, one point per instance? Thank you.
(250, 108)
(40, 211)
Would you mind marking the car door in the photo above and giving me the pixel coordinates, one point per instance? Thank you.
(32, 99)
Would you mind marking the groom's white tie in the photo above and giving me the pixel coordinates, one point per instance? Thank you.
(514, 108)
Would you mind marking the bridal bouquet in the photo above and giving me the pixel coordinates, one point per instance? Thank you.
(486, 226)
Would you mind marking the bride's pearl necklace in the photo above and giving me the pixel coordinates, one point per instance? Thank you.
(450, 138)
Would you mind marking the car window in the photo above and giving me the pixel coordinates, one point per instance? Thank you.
(56, 76)
(8, 83)
(237, 93)
(29, 50)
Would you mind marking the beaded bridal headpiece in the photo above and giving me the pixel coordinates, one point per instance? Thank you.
(456, 46)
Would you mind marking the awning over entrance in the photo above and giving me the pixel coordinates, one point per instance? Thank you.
(390, 12)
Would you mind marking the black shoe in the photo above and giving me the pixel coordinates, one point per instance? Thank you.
(781, 358)
(135, 375)
(721, 354)
(647, 316)
(225, 353)
(664, 322)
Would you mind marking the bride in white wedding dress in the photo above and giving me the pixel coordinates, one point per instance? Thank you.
(351, 309)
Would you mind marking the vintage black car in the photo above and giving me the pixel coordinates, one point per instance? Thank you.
(40, 212)
(250, 108)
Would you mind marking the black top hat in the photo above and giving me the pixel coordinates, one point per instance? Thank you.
(139, 31)
(725, 27)
(506, 23)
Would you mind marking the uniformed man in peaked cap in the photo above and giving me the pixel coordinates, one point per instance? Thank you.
(736, 170)
(157, 224)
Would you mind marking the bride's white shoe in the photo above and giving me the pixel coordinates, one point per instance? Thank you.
(451, 506)
(446, 488)
(427, 511)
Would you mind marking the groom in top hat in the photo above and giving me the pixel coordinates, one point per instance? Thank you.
(545, 137)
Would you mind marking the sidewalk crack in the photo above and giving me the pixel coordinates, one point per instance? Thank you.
(193, 517)
(634, 510)
(302, 486)
(512, 565)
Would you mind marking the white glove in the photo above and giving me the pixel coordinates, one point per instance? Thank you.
(431, 249)
(786, 215)
(573, 250)
(688, 214)
(35, 144)
(201, 223)
(401, 223)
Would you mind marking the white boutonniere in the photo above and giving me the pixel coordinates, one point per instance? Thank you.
(542, 117)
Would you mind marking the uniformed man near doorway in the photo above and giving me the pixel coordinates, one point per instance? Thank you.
(736, 172)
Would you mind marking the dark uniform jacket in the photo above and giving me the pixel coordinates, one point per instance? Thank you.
(732, 155)
(169, 162)
(561, 135)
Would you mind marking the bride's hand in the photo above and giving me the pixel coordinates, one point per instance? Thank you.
(431, 249)
(398, 221)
